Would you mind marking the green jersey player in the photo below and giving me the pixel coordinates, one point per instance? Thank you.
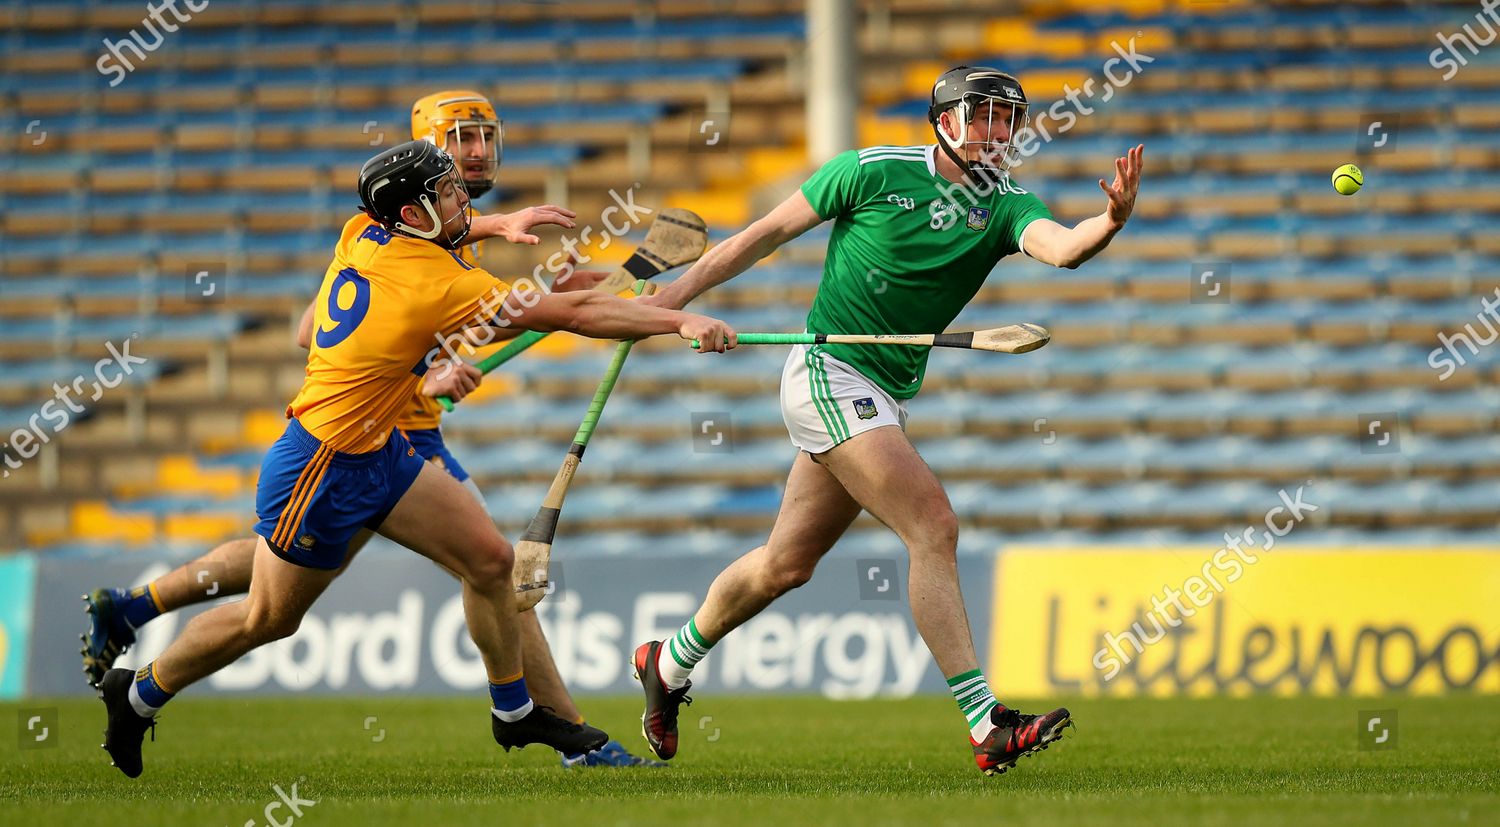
(915, 232)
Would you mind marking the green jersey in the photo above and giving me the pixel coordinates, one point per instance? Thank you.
(909, 249)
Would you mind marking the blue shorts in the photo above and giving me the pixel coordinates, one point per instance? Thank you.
(430, 446)
(311, 500)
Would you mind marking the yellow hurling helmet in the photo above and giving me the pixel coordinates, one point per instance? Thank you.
(452, 117)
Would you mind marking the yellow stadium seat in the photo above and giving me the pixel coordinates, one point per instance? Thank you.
(1052, 44)
(1049, 84)
(1148, 40)
(718, 207)
(95, 520)
(181, 474)
(205, 529)
(497, 385)
(263, 427)
(919, 76)
(1011, 35)
(772, 163)
(878, 131)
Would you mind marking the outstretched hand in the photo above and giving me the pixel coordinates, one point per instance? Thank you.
(1127, 182)
(516, 227)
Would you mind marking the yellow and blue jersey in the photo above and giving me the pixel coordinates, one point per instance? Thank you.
(387, 301)
(387, 304)
(424, 413)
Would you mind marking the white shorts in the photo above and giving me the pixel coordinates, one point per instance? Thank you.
(825, 401)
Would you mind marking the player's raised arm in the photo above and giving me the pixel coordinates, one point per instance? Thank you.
(1050, 242)
(739, 252)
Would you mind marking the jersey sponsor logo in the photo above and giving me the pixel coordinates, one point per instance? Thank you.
(979, 218)
(865, 408)
(902, 201)
(941, 214)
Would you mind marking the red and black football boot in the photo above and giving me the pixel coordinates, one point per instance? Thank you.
(659, 721)
(1016, 736)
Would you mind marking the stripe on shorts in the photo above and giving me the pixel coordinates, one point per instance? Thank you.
(834, 419)
(814, 390)
(302, 495)
(838, 413)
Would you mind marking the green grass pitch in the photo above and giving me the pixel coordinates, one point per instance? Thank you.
(754, 761)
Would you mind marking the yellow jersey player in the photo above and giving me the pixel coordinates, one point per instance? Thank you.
(465, 124)
(396, 287)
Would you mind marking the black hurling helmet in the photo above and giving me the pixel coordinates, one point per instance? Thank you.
(963, 90)
(411, 172)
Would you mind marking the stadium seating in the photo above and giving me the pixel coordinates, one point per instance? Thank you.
(1150, 418)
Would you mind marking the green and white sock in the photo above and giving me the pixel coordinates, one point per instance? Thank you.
(680, 654)
(975, 700)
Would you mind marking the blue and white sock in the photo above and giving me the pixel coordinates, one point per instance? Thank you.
(509, 699)
(139, 605)
(147, 695)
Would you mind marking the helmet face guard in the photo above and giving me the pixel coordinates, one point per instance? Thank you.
(991, 158)
(979, 97)
(490, 151)
(445, 118)
(416, 173)
(430, 199)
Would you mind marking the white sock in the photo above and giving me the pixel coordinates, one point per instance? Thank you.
(983, 728)
(513, 715)
(680, 653)
(141, 707)
(975, 701)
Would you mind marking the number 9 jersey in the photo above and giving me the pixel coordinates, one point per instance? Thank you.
(387, 304)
